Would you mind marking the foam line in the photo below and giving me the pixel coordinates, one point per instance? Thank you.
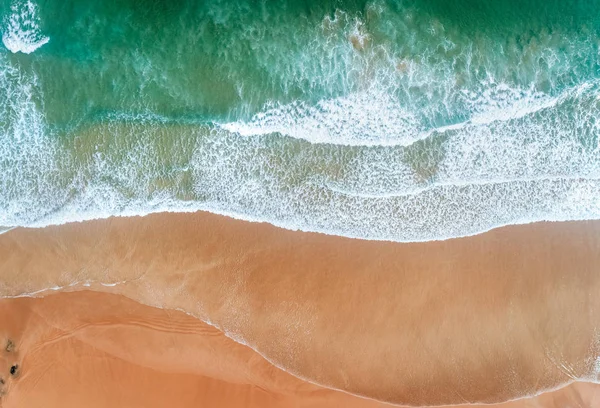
(21, 31)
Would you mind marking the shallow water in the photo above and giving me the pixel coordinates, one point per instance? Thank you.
(396, 120)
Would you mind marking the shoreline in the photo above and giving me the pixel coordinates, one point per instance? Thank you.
(340, 312)
(141, 340)
(98, 334)
(280, 225)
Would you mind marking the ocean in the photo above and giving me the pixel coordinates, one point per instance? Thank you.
(391, 120)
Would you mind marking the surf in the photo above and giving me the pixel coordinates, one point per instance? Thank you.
(371, 120)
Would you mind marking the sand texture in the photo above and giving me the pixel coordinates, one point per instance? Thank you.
(484, 319)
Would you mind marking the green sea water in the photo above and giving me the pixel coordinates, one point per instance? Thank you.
(397, 120)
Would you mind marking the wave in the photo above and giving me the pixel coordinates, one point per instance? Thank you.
(374, 118)
(414, 144)
(539, 165)
(366, 119)
(21, 31)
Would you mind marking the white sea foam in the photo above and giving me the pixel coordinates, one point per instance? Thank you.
(521, 169)
(42, 292)
(21, 31)
(406, 150)
(361, 119)
(375, 118)
(395, 95)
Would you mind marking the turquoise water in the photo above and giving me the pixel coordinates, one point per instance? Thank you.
(396, 120)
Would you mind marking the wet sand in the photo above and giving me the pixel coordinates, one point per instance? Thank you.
(98, 350)
(488, 318)
(89, 349)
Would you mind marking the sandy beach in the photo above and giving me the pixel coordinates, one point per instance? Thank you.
(483, 319)
(299, 204)
(97, 350)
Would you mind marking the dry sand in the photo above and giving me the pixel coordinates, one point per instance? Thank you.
(481, 319)
(90, 349)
